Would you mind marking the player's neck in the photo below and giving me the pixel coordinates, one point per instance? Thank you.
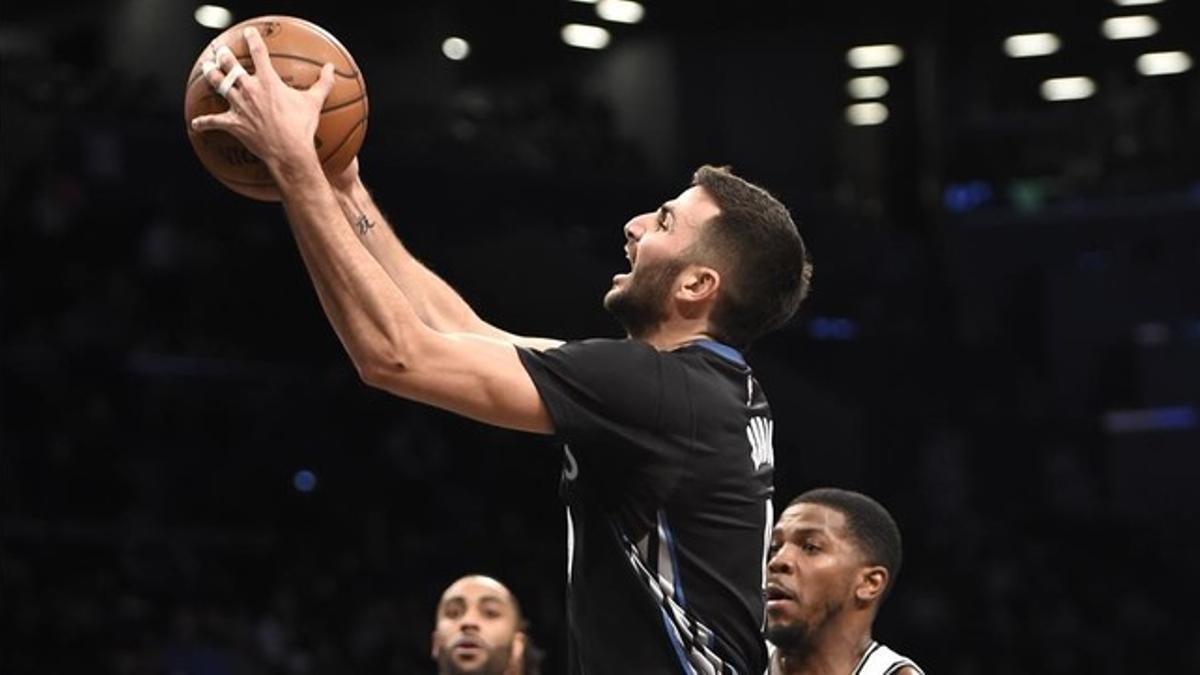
(834, 653)
(674, 334)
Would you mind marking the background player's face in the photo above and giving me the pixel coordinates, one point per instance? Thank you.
(477, 625)
(655, 244)
(812, 569)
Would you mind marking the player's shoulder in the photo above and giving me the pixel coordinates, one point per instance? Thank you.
(599, 359)
(609, 343)
(626, 348)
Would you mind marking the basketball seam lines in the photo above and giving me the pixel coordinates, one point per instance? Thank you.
(345, 138)
(350, 75)
(343, 104)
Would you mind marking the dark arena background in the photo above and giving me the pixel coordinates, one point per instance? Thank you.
(1002, 345)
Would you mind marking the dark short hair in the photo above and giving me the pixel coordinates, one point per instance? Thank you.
(767, 270)
(872, 528)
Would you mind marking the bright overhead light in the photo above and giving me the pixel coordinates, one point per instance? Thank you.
(1031, 44)
(620, 11)
(1068, 88)
(1129, 27)
(585, 36)
(212, 16)
(874, 56)
(456, 48)
(1164, 63)
(866, 114)
(870, 86)
(1136, 3)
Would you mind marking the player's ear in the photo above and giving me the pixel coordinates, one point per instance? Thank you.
(698, 283)
(518, 648)
(872, 582)
(434, 646)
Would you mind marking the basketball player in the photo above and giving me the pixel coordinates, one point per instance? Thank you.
(834, 556)
(480, 630)
(667, 436)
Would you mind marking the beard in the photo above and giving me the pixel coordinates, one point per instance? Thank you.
(641, 306)
(495, 663)
(793, 637)
(799, 636)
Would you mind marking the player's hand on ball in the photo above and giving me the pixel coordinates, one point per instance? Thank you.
(274, 121)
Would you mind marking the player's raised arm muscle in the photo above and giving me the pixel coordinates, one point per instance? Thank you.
(474, 376)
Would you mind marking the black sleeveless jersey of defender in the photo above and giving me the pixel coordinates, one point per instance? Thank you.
(667, 475)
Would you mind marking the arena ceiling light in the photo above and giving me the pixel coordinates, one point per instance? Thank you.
(1136, 3)
(456, 48)
(584, 36)
(213, 16)
(620, 11)
(1129, 27)
(1164, 63)
(1026, 45)
(868, 86)
(866, 114)
(1068, 88)
(874, 56)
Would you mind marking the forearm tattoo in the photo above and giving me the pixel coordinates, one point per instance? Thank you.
(363, 224)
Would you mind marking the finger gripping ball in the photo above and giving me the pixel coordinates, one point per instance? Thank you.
(298, 50)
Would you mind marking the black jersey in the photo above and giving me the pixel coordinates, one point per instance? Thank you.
(667, 480)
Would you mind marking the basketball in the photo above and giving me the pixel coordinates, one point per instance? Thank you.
(298, 50)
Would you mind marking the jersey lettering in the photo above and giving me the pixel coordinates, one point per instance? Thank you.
(762, 451)
(570, 466)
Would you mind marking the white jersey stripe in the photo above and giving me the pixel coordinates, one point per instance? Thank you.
(770, 525)
(691, 639)
(666, 566)
(880, 660)
(570, 544)
(666, 542)
(677, 643)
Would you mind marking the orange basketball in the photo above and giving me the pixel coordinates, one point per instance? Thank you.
(298, 50)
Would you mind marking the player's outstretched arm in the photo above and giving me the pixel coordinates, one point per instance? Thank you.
(475, 376)
(391, 347)
(435, 301)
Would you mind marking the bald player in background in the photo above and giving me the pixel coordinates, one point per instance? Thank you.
(834, 556)
(480, 630)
